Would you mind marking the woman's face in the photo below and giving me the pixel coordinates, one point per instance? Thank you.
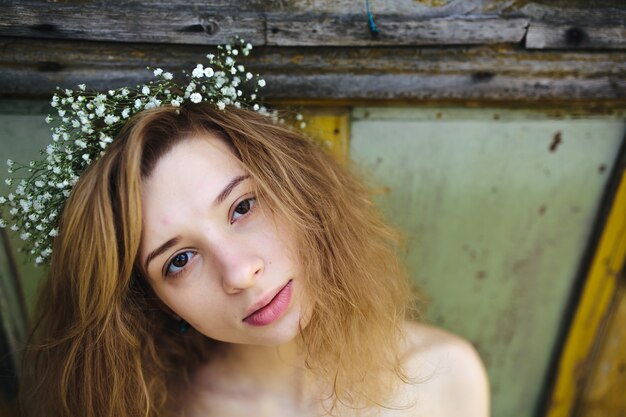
(213, 255)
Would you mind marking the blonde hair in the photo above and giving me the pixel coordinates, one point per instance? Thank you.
(104, 346)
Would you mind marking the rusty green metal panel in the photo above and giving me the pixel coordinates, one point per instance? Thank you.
(23, 132)
(497, 207)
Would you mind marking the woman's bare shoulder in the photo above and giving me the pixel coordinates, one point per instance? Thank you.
(447, 375)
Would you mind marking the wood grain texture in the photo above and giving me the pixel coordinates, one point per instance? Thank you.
(509, 50)
(354, 30)
(298, 23)
(573, 36)
(35, 67)
(159, 23)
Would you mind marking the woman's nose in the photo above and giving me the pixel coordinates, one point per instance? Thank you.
(240, 271)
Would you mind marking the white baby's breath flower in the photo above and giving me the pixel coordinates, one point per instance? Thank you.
(167, 76)
(14, 227)
(125, 113)
(138, 104)
(210, 57)
(249, 76)
(262, 82)
(195, 98)
(198, 72)
(25, 235)
(61, 113)
(208, 72)
(255, 107)
(54, 232)
(49, 119)
(229, 61)
(299, 116)
(241, 68)
(125, 92)
(302, 125)
(158, 72)
(82, 87)
(145, 90)
(110, 119)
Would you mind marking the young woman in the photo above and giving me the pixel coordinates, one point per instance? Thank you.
(215, 263)
(204, 260)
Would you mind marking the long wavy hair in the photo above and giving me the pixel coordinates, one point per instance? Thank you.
(104, 346)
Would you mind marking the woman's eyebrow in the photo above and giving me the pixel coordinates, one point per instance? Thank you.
(230, 187)
(160, 250)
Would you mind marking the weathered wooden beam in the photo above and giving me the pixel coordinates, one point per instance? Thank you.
(575, 36)
(34, 67)
(340, 23)
(354, 30)
(159, 23)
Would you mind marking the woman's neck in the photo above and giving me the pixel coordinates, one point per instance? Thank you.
(257, 374)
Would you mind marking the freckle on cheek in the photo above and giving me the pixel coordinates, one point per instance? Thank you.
(165, 221)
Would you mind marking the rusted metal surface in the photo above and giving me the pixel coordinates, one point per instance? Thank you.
(605, 391)
(497, 208)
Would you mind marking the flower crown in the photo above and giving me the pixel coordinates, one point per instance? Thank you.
(87, 123)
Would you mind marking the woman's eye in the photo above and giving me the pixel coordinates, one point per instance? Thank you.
(243, 208)
(178, 263)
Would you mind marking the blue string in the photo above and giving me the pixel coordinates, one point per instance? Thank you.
(373, 27)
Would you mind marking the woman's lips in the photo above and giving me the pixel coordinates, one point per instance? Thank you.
(273, 310)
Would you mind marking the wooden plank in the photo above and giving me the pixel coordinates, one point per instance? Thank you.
(593, 308)
(354, 30)
(400, 22)
(51, 56)
(572, 36)
(357, 87)
(159, 23)
(35, 67)
(446, 87)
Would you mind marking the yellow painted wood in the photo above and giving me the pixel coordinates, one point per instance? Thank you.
(593, 310)
(331, 127)
(605, 391)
